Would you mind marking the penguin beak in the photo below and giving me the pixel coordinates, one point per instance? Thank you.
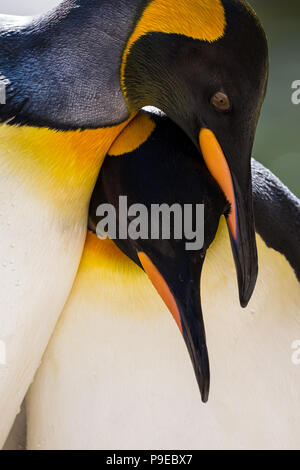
(240, 220)
(179, 287)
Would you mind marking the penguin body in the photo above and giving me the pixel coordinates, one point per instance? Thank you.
(46, 183)
(47, 175)
(68, 72)
(77, 91)
(276, 215)
(116, 373)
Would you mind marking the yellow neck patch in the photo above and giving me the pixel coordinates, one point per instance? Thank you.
(133, 136)
(102, 264)
(61, 166)
(128, 291)
(198, 19)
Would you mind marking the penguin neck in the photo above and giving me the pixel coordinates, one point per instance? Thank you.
(59, 167)
(117, 347)
(104, 264)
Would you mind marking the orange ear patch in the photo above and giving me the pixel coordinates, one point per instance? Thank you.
(198, 19)
(161, 286)
(136, 133)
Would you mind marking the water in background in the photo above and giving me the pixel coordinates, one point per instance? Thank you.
(277, 143)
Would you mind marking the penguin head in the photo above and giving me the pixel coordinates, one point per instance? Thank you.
(164, 172)
(205, 64)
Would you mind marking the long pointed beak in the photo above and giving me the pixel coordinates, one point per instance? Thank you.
(240, 221)
(184, 302)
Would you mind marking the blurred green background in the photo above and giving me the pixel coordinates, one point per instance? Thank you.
(277, 142)
(278, 137)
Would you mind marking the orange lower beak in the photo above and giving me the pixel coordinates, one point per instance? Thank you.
(161, 286)
(184, 302)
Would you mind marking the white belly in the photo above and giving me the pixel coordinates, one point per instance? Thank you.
(46, 181)
(39, 255)
(116, 373)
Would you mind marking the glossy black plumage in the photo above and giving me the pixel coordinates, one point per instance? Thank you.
(64, 67)
(277, 214)
(165, 169)
(276, 208)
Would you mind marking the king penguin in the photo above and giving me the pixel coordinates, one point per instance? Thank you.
(72, 84)
(46, 181)
(116, 373)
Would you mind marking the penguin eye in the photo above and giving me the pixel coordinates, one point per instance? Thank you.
(220, 101)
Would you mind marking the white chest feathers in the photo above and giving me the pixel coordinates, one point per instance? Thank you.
(116, 373)
(46, 180)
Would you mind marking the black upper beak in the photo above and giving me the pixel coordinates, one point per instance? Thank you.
(244, 246)
(194, 332)
(240, 220)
